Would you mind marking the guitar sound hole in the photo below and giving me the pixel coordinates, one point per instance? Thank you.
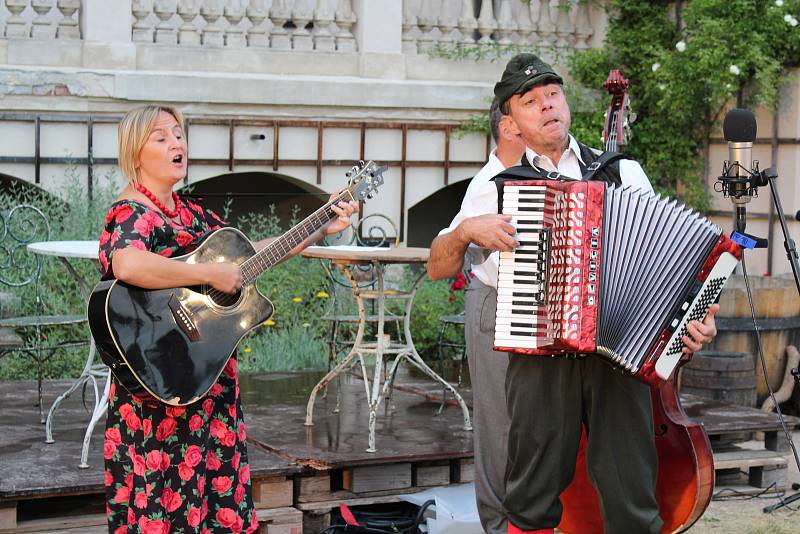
(224, 299)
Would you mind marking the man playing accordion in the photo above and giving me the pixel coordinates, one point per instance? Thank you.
(549, 400)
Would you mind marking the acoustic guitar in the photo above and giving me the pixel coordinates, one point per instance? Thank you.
(172, 344)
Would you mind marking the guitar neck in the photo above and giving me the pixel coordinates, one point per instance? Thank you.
(281, 247)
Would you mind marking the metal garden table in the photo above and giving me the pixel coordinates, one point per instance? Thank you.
(66, 251)
(343, 258)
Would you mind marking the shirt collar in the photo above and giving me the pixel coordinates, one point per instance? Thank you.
(573, 146)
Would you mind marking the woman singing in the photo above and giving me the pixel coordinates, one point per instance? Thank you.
(167, 468)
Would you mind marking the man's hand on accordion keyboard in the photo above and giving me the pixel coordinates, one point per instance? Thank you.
(492, 231)
(701, 333)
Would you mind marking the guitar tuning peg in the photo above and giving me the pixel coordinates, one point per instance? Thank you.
(348, 174)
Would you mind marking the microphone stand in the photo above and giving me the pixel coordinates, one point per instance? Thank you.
(741, 188)
(768, 176)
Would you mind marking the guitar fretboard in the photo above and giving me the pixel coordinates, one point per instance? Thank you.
(277, 250)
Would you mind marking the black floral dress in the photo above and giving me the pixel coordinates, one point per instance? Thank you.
(173, 469)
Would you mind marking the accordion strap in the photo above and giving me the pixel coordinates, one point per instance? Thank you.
(596, 168)
(593, 170)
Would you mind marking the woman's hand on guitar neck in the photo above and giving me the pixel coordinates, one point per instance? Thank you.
(344, 210)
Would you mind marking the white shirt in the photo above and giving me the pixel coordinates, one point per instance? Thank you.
(481, 198)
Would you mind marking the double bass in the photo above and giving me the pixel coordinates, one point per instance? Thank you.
(685, 481)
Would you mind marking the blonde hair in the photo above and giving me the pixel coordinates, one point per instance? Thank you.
(134, 130)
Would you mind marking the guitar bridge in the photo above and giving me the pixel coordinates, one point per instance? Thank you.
(183, 318)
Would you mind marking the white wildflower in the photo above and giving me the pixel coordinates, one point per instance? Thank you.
(680, 46)
(793, 22)
(733, 69)
(656, 66)
(788, 18)
(661, 86)
(779, 3)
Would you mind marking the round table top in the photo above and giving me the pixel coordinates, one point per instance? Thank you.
(354, 254)
(67, 249)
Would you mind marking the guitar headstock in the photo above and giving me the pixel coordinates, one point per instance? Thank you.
(364, 179)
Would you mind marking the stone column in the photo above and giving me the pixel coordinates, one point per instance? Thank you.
(107, 28)
(378, 34)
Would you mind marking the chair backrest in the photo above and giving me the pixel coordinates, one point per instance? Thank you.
(373, 230)
(19, 226)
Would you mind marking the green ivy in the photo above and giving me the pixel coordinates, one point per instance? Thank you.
(683, 79)
(687, 63)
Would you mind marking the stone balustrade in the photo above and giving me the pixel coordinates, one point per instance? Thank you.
(307, 25)
(543, 24)
(324, 25)
(40, 19)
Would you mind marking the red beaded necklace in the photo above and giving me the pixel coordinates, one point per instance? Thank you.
(154, 199)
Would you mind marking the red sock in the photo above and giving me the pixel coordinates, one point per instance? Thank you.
(514, 530)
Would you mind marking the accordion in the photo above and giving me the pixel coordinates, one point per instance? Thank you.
(617, 272)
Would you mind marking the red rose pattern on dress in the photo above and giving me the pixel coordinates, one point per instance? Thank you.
(173, 469)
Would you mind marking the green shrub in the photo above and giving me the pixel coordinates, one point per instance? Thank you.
(297, 287)
(76, 217)
(431, 302)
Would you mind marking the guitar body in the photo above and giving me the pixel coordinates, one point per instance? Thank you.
(172, 344)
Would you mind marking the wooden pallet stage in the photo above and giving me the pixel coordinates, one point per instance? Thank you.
(738, 468)
(300, 474)
(292, 467)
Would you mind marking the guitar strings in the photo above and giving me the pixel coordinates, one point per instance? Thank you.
(267, 257)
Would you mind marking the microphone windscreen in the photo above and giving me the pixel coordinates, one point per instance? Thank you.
(739, 126)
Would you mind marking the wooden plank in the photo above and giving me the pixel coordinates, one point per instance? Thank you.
(370, 478)
(380, 498)
(62, 523)
(8, 515)
(466, 470)
(744, 459)
(776, 441)
(96, 529)
(313, 488)
(766, 476)
(284, 520)
(273, 492)
(423, 475)
(763, 468)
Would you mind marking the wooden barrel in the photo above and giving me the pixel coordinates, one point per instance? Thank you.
(725, 376)
(777, 308)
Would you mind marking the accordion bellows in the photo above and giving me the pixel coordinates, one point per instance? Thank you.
(617, 272)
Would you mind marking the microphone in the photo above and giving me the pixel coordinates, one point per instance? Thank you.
(739, 128)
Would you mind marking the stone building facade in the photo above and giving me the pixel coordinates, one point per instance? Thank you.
(282, 96)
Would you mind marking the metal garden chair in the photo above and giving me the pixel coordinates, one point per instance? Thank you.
(24, 322)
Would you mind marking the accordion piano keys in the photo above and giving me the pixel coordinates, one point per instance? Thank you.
(612, 271)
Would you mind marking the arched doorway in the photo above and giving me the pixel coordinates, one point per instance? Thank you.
(428, 216)
(254, 192)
